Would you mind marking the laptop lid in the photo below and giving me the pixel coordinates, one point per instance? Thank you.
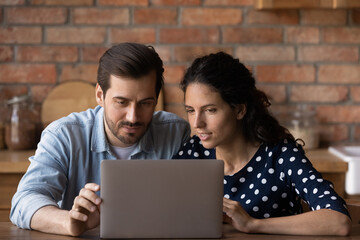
(161, 198)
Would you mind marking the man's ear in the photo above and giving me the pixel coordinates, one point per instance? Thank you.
(99, 94)
(241, 111)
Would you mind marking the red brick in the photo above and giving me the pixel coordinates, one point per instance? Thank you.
(100, 16)
(20, 35)
(273, 17)
(174, 74)
(355, 16)
(164, 53)
(339, 74)
(355, 93)
(342, 35)
(330, 133)
(189, 35)
(123, 2)
(316, 93)
(252, 35)
(40, 92)
(328, 53)
(10, 91)
(36, 15)
(92, 54)
(173, 94)
(188, 54)
(357, 133)
(176, 2)
(27, 73)
(155, 16)
(140, 35)
(6, 53)
(266, 53)
(82, 35)
(211, 16)
(302, 35)
(63, 3)
(85, 72)
(324, 17)
(12, 2)
(47, 54)
(229, 3)
(276, 94)
(178, 109)
(285, 73)
(339, 114)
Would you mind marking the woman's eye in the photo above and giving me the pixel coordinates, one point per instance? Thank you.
(211, 110)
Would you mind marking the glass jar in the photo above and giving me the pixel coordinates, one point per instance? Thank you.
(20, 129)
(302, 124)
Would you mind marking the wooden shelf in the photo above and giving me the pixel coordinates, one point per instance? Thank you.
(15, 161)
(296, 4)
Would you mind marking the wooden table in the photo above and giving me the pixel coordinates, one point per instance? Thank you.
(11, 232)
(13, 164)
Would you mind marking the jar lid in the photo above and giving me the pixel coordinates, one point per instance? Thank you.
(18, 99)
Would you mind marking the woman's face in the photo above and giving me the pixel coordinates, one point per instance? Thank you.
(211, 118)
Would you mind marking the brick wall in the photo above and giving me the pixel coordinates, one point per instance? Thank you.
(297, 56)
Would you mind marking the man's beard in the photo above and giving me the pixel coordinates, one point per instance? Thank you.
(129, 138)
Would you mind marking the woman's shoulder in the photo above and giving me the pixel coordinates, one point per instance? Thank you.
(285, 147)
(194, 149)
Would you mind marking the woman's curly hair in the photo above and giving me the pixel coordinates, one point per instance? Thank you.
(236, 85)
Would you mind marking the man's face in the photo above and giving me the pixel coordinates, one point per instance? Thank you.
(128, 108)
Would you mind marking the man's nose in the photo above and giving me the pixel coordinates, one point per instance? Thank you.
(132, 113)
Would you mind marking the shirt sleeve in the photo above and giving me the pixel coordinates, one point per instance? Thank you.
(307, 182)
(43, 183)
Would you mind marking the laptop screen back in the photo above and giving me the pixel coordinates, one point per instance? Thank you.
(161, 198)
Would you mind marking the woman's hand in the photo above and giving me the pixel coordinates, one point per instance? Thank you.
(237, 216)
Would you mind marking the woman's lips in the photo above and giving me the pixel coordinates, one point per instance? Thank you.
(204, 136)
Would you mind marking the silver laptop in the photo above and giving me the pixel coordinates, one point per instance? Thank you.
(161, 198)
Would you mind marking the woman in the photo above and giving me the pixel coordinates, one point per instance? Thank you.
(266, 170)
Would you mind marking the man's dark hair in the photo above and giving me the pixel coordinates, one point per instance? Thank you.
(132, 60)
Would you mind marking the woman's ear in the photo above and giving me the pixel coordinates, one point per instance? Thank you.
(241, 111)
(99, 94)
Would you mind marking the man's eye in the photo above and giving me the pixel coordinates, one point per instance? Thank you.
(146, 104)
(189, 110)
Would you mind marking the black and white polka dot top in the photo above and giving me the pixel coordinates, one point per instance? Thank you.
(274, 181)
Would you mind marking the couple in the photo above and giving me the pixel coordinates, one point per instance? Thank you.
(266, 171)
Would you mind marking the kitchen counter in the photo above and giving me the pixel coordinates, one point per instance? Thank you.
(13, 164)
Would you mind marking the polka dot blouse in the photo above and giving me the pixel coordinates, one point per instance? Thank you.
(274, 181)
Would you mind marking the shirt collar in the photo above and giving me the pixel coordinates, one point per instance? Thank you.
(98, 138)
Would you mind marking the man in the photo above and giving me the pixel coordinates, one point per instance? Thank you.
(58, 192)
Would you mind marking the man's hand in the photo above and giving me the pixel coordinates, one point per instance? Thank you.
(85, 213)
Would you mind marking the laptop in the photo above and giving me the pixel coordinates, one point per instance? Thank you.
(161, 198)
